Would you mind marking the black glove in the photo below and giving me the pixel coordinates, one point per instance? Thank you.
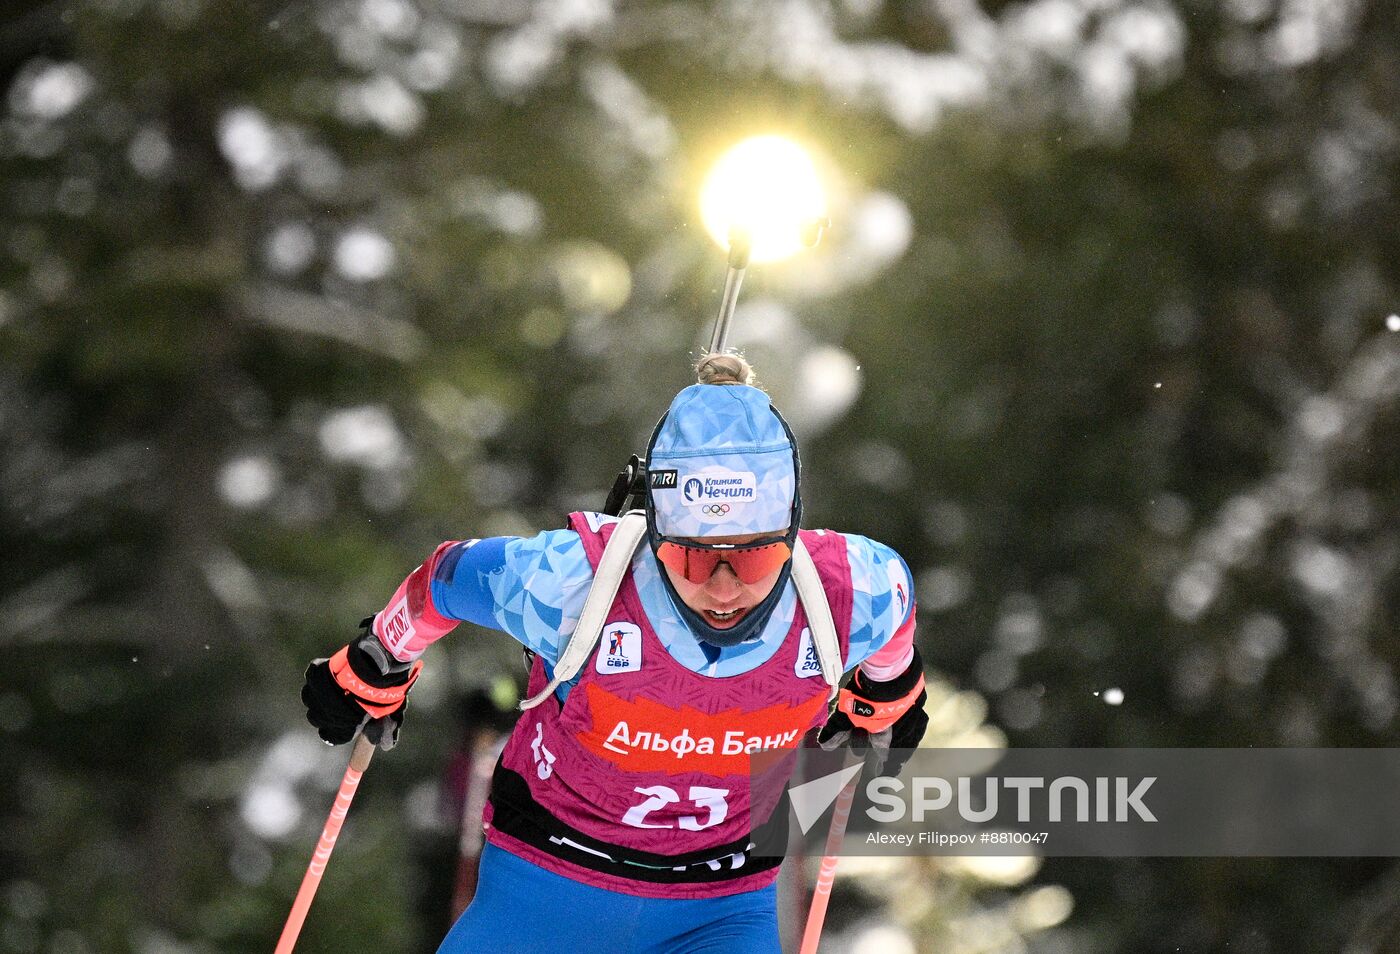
(361, 686)
(885, 718)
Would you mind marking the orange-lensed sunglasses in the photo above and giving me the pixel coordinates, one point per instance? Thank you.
(750, 562)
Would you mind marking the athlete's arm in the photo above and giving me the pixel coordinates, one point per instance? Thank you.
(884, 701)
(532, 588)
(882, 611)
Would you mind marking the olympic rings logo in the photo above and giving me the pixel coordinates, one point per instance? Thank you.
(715, 510)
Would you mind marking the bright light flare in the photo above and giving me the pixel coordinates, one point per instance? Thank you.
(768, 187)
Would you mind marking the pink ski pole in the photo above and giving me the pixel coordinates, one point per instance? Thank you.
(826, 875)
(359, 761)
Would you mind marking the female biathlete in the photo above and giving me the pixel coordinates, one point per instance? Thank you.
(618, 818)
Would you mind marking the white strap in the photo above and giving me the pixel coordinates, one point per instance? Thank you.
(813, 596)
(612, 567)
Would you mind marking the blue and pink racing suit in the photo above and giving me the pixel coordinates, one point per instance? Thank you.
(625, 796)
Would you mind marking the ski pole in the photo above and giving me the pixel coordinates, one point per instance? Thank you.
(826, 875)
(740, 246)
(738, 261)
(470, 836)
(359, 761)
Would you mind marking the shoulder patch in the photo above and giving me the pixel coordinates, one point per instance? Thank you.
(899, 586)
(596, 521)
(620, 649)
(808, 662)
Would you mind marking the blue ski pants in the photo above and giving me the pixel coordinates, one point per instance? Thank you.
(520, 908)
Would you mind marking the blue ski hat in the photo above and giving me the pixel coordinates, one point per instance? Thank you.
(722, 462)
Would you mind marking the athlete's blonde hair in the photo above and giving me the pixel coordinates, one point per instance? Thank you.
(726, 367)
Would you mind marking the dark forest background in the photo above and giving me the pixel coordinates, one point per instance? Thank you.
(1103, 341)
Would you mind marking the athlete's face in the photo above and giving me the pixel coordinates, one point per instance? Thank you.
(724, 599)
